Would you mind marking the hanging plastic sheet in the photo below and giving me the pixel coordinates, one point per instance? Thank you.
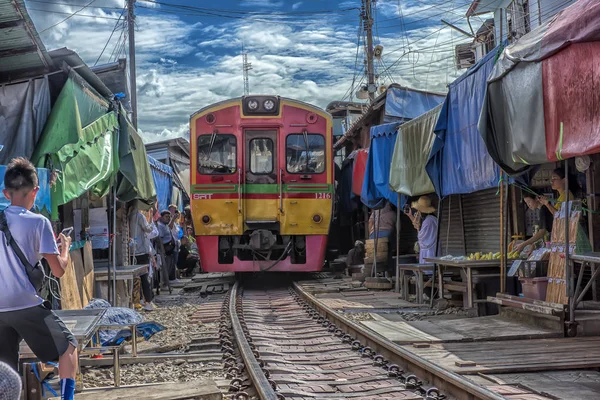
(358, 170)
(24, 109)
(135, 179)
(413, 145)
(376, 186)
(79, 140)
(344, 189)
(459, 161)
(162, 175)
(409, 103)
(541, 103)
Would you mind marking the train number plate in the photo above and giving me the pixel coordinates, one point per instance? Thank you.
(322, 195)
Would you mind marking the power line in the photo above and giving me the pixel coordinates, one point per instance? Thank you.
(69, 17)
(111, 35)
(70, 14)
(69, 4)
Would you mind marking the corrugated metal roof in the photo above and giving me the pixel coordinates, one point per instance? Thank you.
(20, 45)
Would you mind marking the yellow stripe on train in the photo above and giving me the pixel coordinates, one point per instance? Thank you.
(299, 217)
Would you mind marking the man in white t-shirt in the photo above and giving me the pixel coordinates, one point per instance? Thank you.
(23, 314)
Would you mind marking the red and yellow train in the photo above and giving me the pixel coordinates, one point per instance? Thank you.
(262, 184)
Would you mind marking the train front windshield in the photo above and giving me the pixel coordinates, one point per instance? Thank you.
(217, 154)
(305, 153)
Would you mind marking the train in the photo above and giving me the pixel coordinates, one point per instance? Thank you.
(262, 184)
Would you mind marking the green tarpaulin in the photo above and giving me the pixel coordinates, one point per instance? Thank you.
(135, 180)
(87, 144)
(79, 142)
(413, 145)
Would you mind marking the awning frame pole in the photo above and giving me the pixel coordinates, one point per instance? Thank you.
(114, 247)
(502, 236)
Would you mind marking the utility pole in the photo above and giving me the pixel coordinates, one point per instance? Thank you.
(246, 67)
(132, 76)
(368, 26)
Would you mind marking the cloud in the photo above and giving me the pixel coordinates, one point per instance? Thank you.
(184, 65)
(296, 6)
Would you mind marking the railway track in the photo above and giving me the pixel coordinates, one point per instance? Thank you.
(280, 342)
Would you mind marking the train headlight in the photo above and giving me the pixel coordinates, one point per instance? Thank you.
(317, 218)
(253, 105)
(269, 105)
(205, 219)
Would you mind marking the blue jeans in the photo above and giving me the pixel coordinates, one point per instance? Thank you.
(381, 234)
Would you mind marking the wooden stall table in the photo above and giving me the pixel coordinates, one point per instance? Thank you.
(124, 273)
(83, 324)
(591, 260)
(402, 278)
(466, 266)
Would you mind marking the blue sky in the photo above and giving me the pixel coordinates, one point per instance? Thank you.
(189, 52)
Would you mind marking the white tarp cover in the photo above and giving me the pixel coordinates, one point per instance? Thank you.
(24, 109)
(411, 152)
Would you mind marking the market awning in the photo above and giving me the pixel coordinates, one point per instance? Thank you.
(162, 175)
(78, 142)
(135, 178)
(400, 104)
(542, 97)
(413, 146)
(459, 162)
(376, 188)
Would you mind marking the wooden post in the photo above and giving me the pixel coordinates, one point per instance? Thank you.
(502, 236)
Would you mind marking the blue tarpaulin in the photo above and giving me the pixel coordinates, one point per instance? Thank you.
(42, 200)
(406, 104)
(376, 185)
(162, 175)
(459, 161)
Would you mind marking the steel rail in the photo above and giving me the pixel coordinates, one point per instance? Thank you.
(448, 382)
(261, 384)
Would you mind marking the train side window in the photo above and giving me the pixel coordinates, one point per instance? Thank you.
(305, 153)
(261, 156)
(217, 154)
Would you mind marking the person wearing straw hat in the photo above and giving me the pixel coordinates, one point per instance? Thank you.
(426, 224)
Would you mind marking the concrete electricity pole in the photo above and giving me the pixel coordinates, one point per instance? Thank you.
(132, 76)
(368, 26)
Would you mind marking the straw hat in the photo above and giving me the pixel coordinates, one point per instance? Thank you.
(423, 205)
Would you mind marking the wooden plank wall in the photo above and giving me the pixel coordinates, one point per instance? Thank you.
(77, 284)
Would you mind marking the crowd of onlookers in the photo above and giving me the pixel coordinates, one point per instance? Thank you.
(164, 241)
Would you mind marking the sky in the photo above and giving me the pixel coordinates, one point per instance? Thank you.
(189, 53)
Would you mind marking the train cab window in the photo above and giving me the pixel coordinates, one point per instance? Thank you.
(261, 156)
(217, 153)
(305, 153)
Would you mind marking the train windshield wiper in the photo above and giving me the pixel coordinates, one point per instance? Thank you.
(305, 135)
